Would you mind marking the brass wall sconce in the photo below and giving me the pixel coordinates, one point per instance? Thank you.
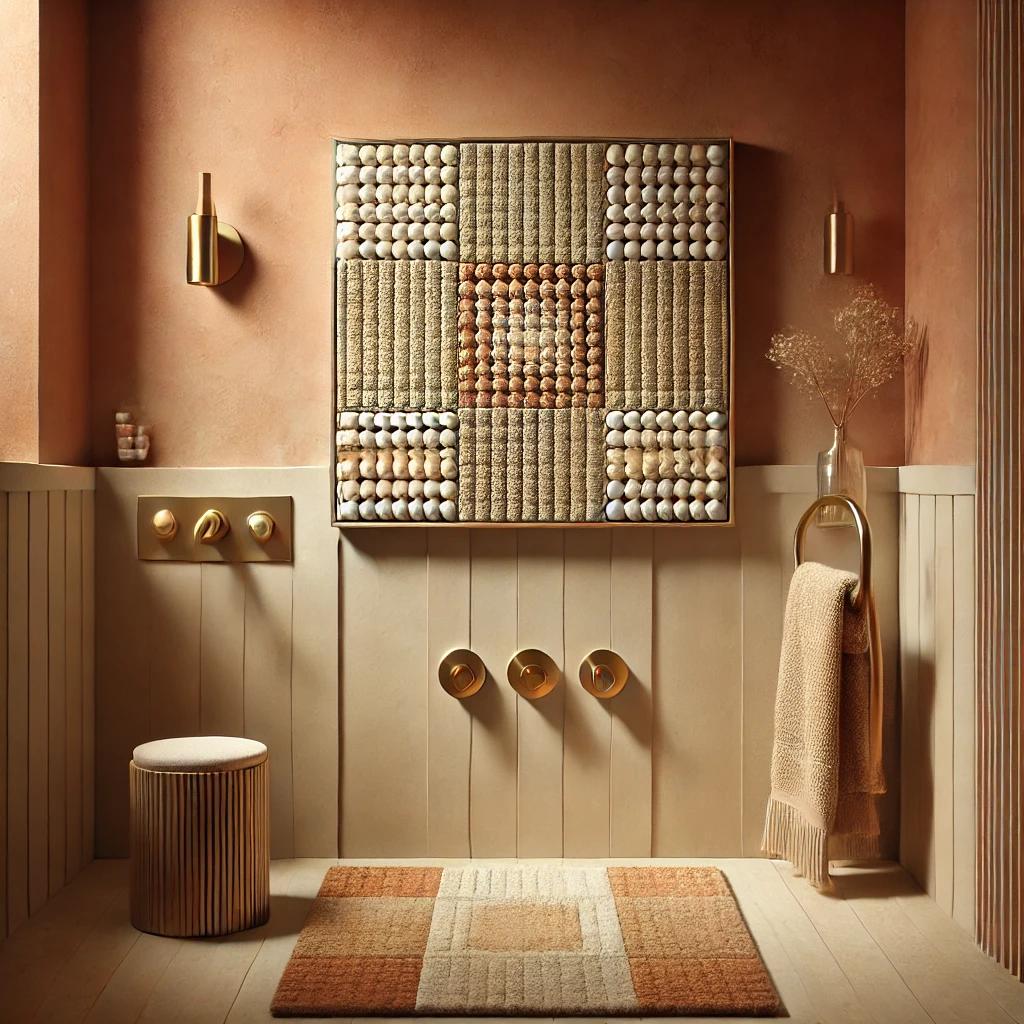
(603, 674)
(461, 673)
(532, 674)
(215, 249)
(839, 240)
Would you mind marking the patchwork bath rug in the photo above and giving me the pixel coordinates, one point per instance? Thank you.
(525, 940)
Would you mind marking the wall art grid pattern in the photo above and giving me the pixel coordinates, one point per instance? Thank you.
(532, 332)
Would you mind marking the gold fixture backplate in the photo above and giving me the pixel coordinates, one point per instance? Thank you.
(237, 545)
(532, 674)
(461, 673)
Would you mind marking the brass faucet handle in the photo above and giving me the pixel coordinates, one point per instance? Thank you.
(261, 526)
(604, 677)
(461, 673)
(603, 674)
(462, 676)
(533, 676)
(165, 526)
(211, 527)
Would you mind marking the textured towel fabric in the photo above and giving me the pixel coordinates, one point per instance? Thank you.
(596, 479)
(563, 203)
(432, 334)
(483, 465)
(514, 466)
(484, 202)
(499, 465)
(664, 375)
(449, 338)
(371, 310)
(383, 393)
(468, 462)
(681, 334)
(467, 202)
(417, 331)
(499, 201)
(354, 333)
(525, 940)
(596, 186)
(578, 251)
(515, 203)
(531, 202)
(634, 336)
(531, 457)
(716, 335)
(403, 327)
(826, 761)
(545, 465)
(696, 335)
(648, 334)
(341, 337)
(578, 454)
(615, 334)
(562, 463)
(546, 203)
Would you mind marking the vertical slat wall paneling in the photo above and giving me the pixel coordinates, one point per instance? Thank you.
(45, 760)
(88, 677)
(17, 708)
(1000, 542)
(450, 724)
(926, 689)
(122, 698)
(73, 682)
(964, 789)
(942, 814)
(57, 685)
(384, 699)
(586, 762)
(38, 700)
(632, 710)
(268, 683)
(761, 625)
(937, 651)
(540, 722)
(174, 591)
(221, 649)
(184, 648)
(493, 629)
(910, 761)
(314, 669)
(3, 715)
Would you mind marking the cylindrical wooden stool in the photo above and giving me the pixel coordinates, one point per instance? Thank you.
(200, 836)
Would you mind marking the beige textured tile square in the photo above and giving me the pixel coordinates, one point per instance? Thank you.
(394, 926)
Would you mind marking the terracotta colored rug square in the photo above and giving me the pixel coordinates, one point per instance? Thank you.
(525, 940)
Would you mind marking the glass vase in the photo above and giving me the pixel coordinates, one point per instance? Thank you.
(841, 471)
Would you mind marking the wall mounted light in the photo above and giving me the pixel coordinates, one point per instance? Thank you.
(215, 249)
(838, 240)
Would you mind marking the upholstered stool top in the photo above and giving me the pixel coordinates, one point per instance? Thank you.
(199, 754)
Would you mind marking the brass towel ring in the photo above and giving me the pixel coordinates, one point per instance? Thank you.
(461, 673)
(603, 674)
(532, 674)
(860, 520)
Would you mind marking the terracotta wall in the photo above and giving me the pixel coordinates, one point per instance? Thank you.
(239, 375)
(19, 228)
(941, 217)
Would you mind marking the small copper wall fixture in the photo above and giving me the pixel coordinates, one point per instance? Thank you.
(839, 240)
(215, 249)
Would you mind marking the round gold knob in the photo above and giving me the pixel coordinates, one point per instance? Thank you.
(532, 674)
(603, 674)
(165, 526)
(261, 526)
(211, 527)
(461, 673)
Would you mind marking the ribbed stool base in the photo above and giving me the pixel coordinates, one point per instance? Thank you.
(200, 851)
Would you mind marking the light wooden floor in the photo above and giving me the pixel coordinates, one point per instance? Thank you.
(881, 952)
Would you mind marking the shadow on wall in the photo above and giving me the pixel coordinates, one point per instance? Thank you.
(757, 278)
(915, 374)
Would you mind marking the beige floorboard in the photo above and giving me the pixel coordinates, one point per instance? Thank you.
(880, 951)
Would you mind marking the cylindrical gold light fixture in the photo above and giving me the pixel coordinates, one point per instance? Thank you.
(215, 249)
(839, 240)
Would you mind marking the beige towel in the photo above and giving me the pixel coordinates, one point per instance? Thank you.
(826, 762)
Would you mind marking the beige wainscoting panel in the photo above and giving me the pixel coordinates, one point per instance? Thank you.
(937, 834)
(46, 711)
(677, 765)
(189, 648)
